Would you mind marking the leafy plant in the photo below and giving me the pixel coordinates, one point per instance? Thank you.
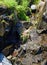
(22, 9)
(35, 1)
(21, 6)
(23, 16)
(24, 38)
(25, 3)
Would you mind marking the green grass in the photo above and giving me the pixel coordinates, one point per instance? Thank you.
(21, 6)
(8, 3)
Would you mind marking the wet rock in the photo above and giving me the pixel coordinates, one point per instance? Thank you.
(44, 55)
(30, 59)
(43, 42)
(2, 9)
(44, 62)
(44, 47)
(11, 37)
(9, 31)
(4, 60)
(31, 47)
(24, 46)
(37, 58)
(9, 57)
(42, 31)
(26, 24)
(17, 63)
(27, 60)
(19, 27)
(43, 23)
(44, 17)
(33, 44)
(1, 29)
(34, 36)
(15, 53)
(14, 64)
(6, 18)
(39, 51)
(7, 50)
(22, 52)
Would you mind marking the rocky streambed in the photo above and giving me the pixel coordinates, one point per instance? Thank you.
(31, 52)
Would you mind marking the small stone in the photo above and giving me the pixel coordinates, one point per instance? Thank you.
(24, 46)
(34, 36)
(27, 60)
(2, 9)
(15, 53)
(44, 62)
(34, 47)
(27, 24)
(9, 57)
(37, 58)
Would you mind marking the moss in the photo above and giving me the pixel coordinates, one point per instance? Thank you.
(20, 8)
(35, 1)
(8, 3)
(22, 16)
